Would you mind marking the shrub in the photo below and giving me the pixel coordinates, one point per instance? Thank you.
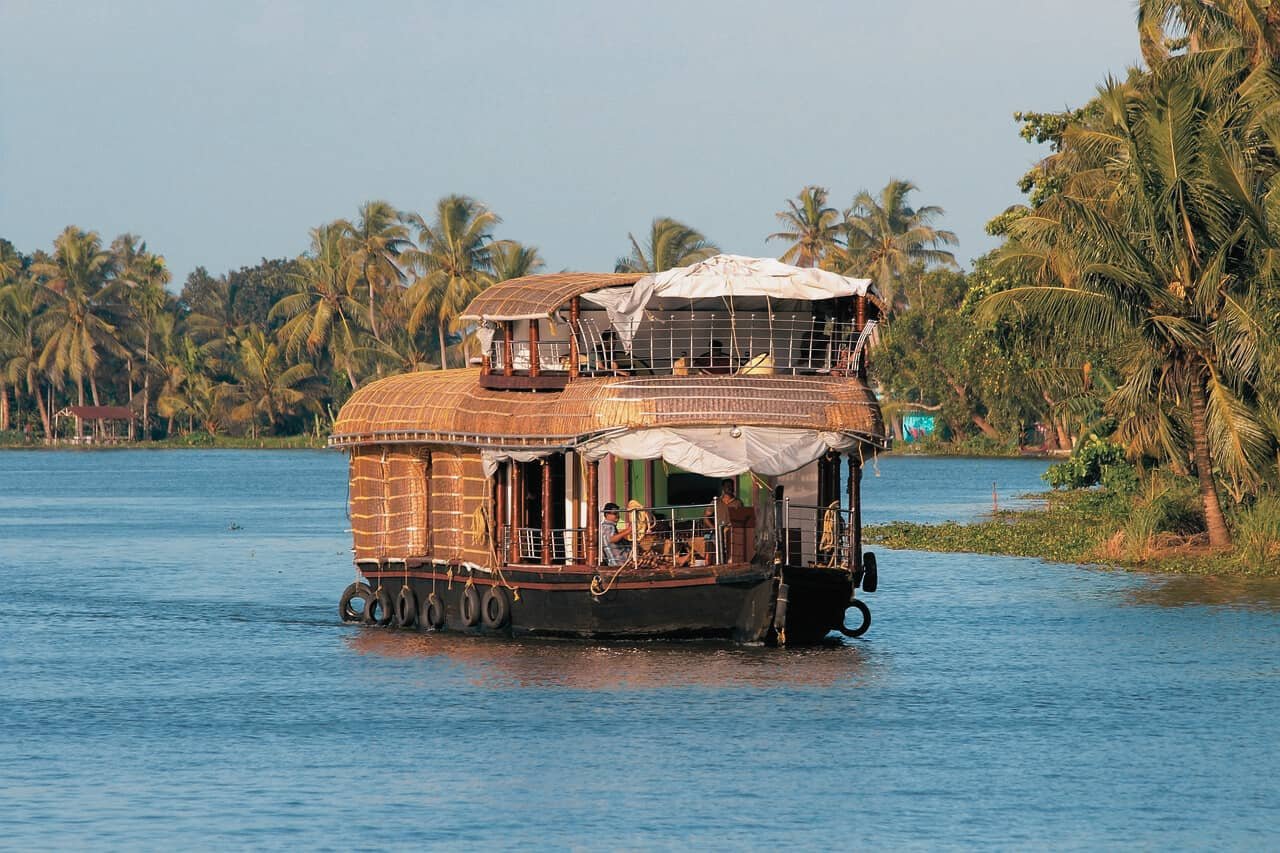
(1258, 535)
(1089, 463)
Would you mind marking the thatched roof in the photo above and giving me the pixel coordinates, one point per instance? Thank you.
(537, 296)
(450, 407)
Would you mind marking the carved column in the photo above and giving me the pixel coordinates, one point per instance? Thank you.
(855, 515)
(508, 358)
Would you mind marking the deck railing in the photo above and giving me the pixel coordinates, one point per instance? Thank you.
(704, 344)
(811, 535)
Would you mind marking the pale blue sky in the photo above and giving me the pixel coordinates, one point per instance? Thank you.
(221, 132)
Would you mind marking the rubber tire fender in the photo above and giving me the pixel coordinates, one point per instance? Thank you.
(870, 579)
(381, 609)
(495, 608)
(431, 612)
(359, 590)
(780, 608)
(406, 607)
(862, 608)
(470, 607)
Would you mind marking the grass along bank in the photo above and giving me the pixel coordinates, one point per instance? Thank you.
(1156, 529)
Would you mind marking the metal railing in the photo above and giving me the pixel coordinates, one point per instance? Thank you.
(702, 344)
(568, 545)
(810, 535)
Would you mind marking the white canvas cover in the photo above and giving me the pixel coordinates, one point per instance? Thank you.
(719, 452)
(725, 276)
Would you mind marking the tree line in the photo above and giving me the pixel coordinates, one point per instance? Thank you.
(274, 349)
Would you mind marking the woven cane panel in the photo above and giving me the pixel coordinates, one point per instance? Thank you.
(539, 295)
(450, 406)
(459, 493)
(388, 503)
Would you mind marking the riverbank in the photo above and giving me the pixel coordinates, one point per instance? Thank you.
(1086, 526)
(16, 441)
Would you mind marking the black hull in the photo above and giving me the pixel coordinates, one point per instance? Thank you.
(738, 603)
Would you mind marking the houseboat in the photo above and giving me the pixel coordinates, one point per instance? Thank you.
(673, 455)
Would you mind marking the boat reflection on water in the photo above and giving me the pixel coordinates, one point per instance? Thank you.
(1200, 591)
(498, 662)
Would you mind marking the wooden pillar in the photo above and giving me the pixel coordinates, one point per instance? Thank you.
(500, 524)
(546, 511)
(535, 369)
(517, 508)
(593, 512)
(855, 514)
(575, 322)
(426, 488)
(508, 358)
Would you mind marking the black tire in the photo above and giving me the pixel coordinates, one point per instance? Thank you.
(866, 619)
(780, 609)
(381, 609)
(495, 608)
(870, 580)
(406, 607)
(470, 607)
(431, 612)
(346, 612)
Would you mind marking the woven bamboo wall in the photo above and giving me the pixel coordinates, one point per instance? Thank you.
(388, 503)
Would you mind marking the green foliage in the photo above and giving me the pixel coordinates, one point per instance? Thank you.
(1258, 536)
(1088, 465)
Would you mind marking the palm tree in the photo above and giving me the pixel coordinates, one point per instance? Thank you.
(812, 228)
(454, 263)
(886, 239)
(323, 315)
(373, 246)
(80, 301)
(671, 244)
(146, 276)
(266, 385)
(1168, 26)
(1164, 216)
(513, 259)
(19, 347)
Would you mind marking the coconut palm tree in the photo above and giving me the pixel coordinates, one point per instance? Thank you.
(82, 304)
(886, 239)
(671, 244)
(373, 245)
(323, 315)
(146, 275)
(454, 262)
(1166, 27)
(20, 348)
(513, 259)
(265, 384)
(1164, 218)
(812, 228)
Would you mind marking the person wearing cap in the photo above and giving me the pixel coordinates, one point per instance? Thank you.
(614, 545)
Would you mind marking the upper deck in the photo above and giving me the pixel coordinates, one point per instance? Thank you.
(726, 316)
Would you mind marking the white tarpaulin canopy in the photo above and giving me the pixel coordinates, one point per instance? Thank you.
(723, 451)
(727, 276)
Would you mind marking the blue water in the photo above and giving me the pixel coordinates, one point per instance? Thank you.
(173, 675)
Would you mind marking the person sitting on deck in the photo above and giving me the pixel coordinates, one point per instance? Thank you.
(614, 545)
(727, 500)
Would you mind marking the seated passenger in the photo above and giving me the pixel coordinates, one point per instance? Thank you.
(614, 545)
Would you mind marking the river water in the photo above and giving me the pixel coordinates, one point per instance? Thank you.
(173, 675)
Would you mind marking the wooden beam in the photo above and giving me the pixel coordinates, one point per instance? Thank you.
(593, 512)
(546, 511)
(517, 508)
(426, 520)
(575, 322)
(535, 367)
(500, 507)
(855, 516)
(508, 358)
